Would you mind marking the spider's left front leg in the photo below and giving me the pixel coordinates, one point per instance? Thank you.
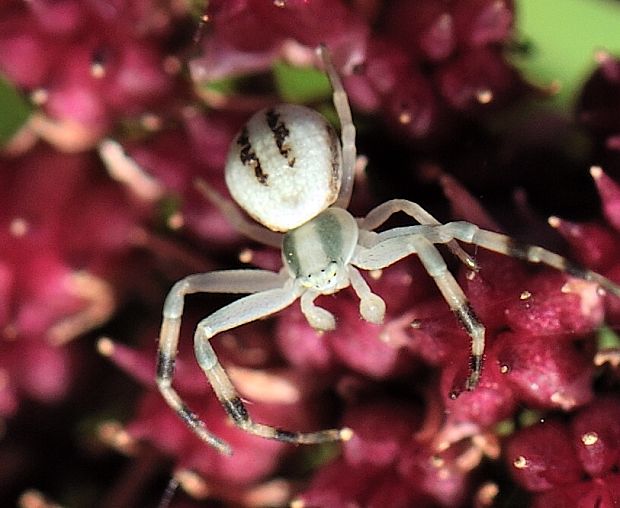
(394, 245)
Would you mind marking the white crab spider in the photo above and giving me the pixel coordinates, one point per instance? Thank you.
(289, 171)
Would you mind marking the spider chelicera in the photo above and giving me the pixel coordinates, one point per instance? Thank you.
(289, 171)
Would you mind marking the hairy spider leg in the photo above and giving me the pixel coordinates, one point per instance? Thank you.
(242, 281)
(392, 245)
(247, 309)
(415, 240)
(503, 244)
(269, 295)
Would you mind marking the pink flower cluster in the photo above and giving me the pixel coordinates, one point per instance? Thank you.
(100, 209)
(87, 64)
(420, 65)
(54, 285)
(572, 463)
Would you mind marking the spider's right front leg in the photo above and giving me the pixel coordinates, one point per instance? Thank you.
(270, 295)
(231, 281)
(246, 310)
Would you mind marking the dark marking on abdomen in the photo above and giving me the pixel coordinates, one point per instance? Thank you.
(280, 134)
(248, 156)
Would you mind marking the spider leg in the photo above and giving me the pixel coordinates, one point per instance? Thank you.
(390, 250)
(245, 310)
(386, 248)
(380, 214)
(458, 302)
(390, 246)
(503, 244)
(232, 281)
(236, 219)
(347, 129)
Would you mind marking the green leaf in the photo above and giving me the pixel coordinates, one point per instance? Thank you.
(562, 37)
(14, 111)
(300, 84)
(227, 86)
(505, 428)
(607, 339)
(529, 417)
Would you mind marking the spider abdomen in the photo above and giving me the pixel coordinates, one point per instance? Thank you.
(284, 167)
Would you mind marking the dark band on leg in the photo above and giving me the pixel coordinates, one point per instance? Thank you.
(576, 271)
(467, 317)
(312, 437)
(535, 254)
(475, 364)
(517, 249)
(189, 417)
(286, 436)
(236, 410)
(165, 366)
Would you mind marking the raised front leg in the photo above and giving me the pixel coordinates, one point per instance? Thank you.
(245, 310)
(233, 281)
(347, 129)
(394, 244)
